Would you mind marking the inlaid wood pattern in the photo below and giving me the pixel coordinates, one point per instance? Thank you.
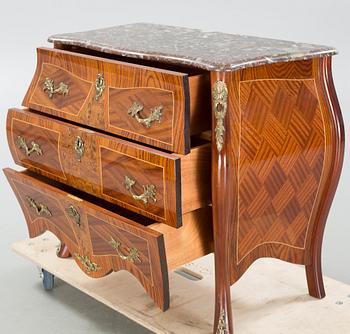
(181, 181)
(54, 220)
(88, 241)
(115, 166)
(121, 100)
(49, 159)
(274, 179)
(106, 240)
(73, 101)
(183, 114)
(280, 163)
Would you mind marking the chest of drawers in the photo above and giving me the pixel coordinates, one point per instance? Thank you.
(149, 146)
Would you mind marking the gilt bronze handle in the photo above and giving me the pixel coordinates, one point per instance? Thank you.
(49, 88)
(40, 209)
(87, 263)
(155, 115)
(133, 253)
(99, 86)
(149, 191)
(22, 144)
(74, 214)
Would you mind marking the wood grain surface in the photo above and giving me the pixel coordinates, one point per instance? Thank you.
(182, 182)
(189, 242)
(78, 90)
(94, 236)
(90, 239)
(124, 84)
(274, 170)
(275, 177)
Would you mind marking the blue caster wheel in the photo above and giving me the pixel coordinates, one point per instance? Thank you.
(48, 280)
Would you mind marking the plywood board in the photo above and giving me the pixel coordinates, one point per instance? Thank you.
(270, 298)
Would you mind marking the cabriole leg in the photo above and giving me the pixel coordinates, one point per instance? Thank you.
(222, 209)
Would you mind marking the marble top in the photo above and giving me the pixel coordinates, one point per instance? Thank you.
(214, 51)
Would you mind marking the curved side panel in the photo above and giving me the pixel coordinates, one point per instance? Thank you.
(277, 156)
(288, 162)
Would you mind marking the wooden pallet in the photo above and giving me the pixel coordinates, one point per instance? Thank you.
(270, 298)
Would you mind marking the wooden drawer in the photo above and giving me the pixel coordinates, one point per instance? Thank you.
(154, 106)
(158, 185)
(102, 241)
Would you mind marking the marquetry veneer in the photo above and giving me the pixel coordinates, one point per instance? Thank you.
(102, 241)
(105, 162)
(122, 87)
(148, 146)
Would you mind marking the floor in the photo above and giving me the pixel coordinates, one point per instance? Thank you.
(39, 310)
(281, 306)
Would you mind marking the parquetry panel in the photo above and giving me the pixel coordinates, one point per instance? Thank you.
(280, 164)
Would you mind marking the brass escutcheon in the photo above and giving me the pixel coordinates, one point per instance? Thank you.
(99, 86)
(74, 214)
(133, 253)
(79, 148)
(149, 191)
(155, 115)
(22, 144)
(49, 88)
(39, 208)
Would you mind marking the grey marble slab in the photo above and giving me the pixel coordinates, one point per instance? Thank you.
(214, 51)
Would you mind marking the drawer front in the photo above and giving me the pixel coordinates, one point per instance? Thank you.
(100, 241)
(58, 89)
(37, 146)
(145, 104)
(140, 179)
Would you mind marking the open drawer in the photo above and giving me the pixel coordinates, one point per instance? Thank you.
(150, 105)
(102, 241)
(158, 185)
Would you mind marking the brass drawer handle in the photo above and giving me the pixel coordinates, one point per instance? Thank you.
(99, 86)
(22, 144)
(40, 209)
(133, 253)
(87, 263)
(74, 214)
(79, 148)
(49, 88)
(149, 191)
(155, 115)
